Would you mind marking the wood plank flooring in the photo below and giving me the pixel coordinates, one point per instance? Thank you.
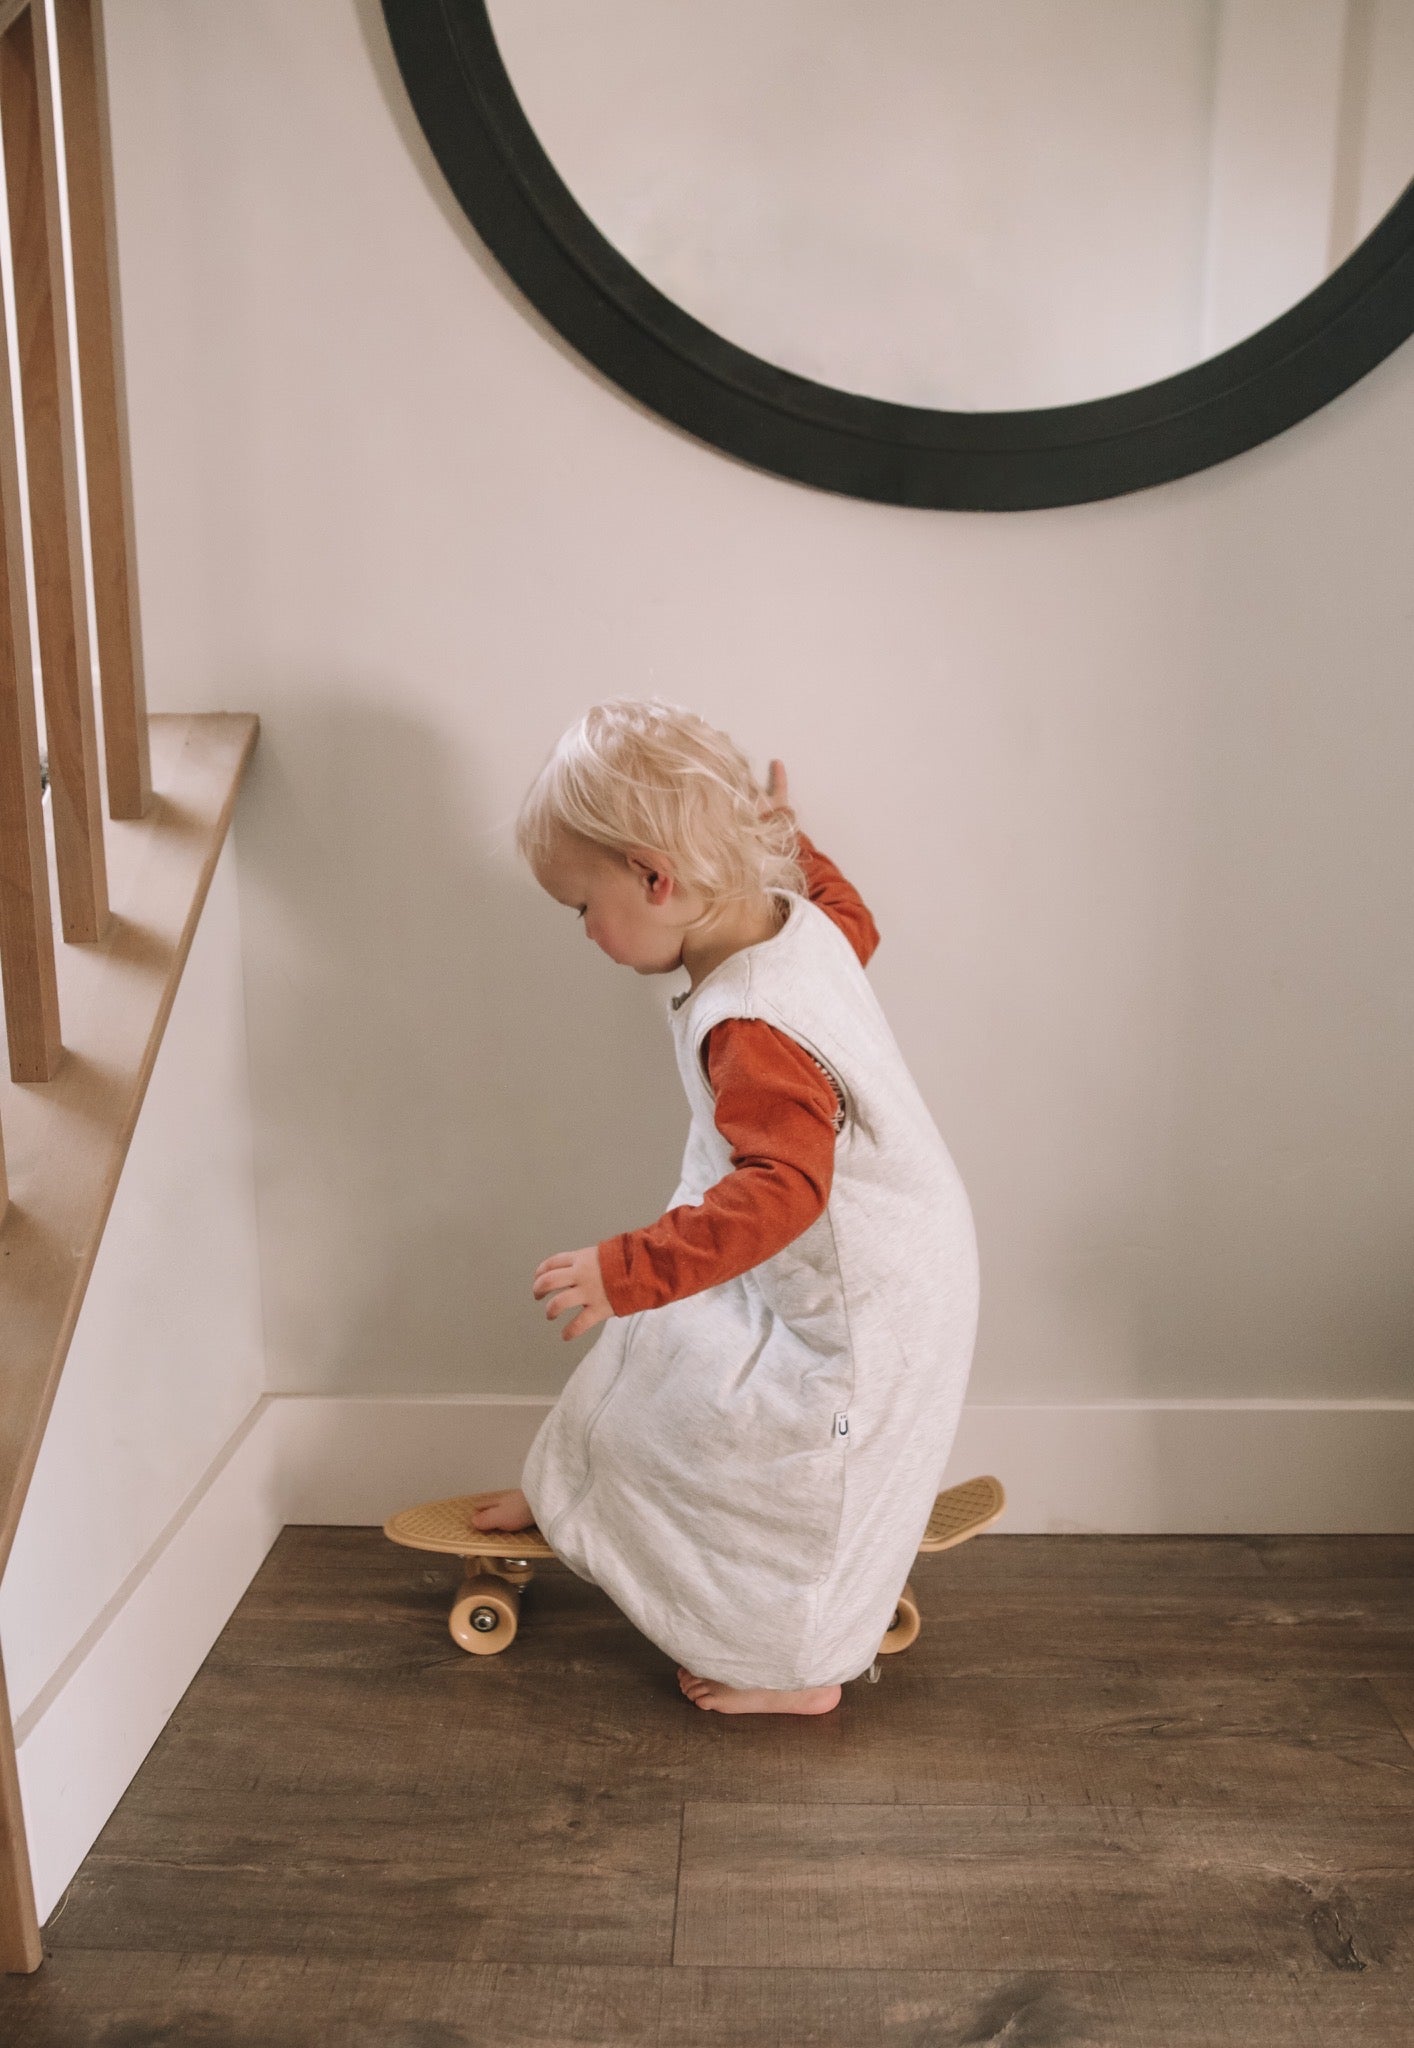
(1123, 1793)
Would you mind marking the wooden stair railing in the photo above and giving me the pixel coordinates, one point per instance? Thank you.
(83, 1022)
(43, 329)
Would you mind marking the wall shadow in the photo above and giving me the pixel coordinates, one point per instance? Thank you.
(448, 1080)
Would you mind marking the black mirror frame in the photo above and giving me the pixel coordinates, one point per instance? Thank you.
(838, 440)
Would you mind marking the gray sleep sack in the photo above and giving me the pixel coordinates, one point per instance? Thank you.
(748, 1472)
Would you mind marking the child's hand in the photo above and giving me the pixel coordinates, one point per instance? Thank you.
(575, 1281)
(777, 795)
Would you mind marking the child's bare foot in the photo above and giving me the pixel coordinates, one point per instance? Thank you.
(508, 1510)
(729, 1699)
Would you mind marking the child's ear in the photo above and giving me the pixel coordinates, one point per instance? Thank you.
(649, 869)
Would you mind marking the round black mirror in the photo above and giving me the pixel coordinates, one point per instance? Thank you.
(975, 254)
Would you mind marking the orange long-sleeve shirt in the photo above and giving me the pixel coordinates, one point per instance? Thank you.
(777, 1109)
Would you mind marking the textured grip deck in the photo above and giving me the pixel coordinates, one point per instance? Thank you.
(962, 1511)
(446, 1525)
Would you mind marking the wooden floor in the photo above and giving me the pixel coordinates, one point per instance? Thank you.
(1146, 1793)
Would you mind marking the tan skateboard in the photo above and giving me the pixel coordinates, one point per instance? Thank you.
(498, 1563)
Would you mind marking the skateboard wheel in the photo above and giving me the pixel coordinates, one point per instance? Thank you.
(485, 1616)
(904, 1629)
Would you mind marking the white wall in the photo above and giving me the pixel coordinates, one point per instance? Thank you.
(167, 1357)
(165, 1367)
(1126, 785)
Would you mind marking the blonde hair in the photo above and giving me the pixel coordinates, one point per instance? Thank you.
(638, 772)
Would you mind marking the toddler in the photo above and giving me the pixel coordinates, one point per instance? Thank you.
(746, 1458)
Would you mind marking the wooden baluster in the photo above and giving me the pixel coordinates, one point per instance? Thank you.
(32, 176)
(84, 89)
(26, 934)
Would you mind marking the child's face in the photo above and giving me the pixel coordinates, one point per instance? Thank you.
(632, 907)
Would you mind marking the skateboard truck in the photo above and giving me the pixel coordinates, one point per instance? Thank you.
(486, 1612)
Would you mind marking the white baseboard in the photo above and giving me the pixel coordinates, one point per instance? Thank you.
(350, 1459)
(1155, 1467)
(1139, 1467)
(80, 1741)
(1197, 1468)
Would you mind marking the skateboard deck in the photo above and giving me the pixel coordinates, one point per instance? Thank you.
(963, 1511)
(497, 1563)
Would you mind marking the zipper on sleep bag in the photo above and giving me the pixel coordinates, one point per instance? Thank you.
(630, 1332)
(842, 1425)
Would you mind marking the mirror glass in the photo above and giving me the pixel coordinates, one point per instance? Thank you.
(979, 205)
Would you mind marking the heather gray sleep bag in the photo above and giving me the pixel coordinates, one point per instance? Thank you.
(748, 1472)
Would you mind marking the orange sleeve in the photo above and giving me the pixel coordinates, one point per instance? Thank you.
(776, 1108)
(838, 898)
